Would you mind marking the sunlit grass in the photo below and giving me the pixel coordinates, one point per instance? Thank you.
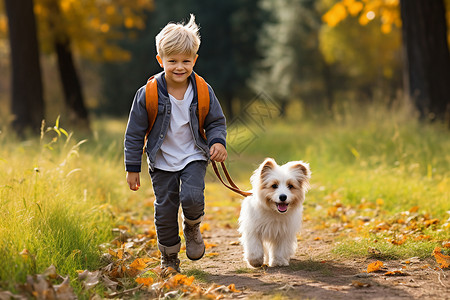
(361, 155)
(59, 200)
(58, 204)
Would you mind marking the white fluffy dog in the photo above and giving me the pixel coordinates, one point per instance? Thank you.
(272, 216)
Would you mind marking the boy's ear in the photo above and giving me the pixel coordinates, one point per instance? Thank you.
(159, 59)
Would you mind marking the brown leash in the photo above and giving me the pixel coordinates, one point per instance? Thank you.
(232, 186)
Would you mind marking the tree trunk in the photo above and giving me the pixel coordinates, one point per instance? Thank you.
(78, 114)
(73, 94)
(27, 102)
(427, 63)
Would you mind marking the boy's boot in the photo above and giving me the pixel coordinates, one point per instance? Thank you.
(169, 256)
(195, 247)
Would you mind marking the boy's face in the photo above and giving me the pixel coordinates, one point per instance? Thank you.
(178, 67)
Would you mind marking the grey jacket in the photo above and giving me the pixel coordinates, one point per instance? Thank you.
(215, 126)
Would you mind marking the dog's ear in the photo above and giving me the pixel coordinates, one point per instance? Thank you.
(303, 172)
(268, 165)
(303, 167)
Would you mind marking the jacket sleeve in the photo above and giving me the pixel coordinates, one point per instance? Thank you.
(135, 133)
(215, 122)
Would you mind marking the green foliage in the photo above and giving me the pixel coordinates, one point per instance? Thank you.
(368, 152)
(56, 205)
(226, 56)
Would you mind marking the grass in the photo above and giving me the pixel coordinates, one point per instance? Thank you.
(58, 204)
(59, 199)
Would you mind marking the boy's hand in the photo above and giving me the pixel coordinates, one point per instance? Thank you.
(133, 180)
(218, 152)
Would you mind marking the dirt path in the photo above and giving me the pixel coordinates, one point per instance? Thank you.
(315, 273)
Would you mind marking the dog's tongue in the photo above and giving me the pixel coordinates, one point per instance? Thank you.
(282, 207)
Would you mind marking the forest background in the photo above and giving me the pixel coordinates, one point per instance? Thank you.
(359, 89)
(95, 54)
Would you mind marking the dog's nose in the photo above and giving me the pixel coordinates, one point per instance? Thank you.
(283, 197)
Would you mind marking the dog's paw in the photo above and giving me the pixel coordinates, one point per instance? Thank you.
(255, 262)
(278, 262)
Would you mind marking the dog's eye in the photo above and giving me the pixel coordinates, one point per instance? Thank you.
(290, 186)
(275, 186)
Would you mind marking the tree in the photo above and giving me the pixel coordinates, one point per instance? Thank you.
(427, 68)
(27, 92)
(73, 93)
(365, 50)
(292, 66)
(227, 52)
(87, 26)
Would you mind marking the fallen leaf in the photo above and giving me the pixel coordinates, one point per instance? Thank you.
(139, 264)
(396, 273)
(89, 279)
(235, 243)
(205, 227)
(317, 238)
(414, 209)
(431, 222)
(64, 290)
(442, 259)
(446, 244)
(375, 266)
(233, 289)
(147, 281)
(374, 251)
(359, 284)
(208, 245)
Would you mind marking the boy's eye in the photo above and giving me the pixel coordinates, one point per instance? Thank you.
(275, 186)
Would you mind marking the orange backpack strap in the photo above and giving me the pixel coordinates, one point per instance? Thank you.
(151, 104)
(203, 102)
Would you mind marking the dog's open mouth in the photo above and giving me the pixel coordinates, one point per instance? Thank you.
(282, 207)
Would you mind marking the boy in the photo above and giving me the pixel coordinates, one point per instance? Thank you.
(177, 154)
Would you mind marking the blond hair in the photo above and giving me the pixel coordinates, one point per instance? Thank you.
(178, 38)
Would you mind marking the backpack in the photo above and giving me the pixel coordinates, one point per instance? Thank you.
(151, 103)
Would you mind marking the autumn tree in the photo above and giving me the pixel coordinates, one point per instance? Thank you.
(364, 50)
(27, 93)
(87, 27)
(292, 66)
(425, 43)
(227, 54)
(427, 68)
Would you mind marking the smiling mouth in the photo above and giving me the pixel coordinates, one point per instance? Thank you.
(282, 207)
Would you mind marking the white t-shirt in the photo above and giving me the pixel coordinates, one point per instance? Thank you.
(179, 148)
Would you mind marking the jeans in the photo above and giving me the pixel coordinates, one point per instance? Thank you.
(172, 188)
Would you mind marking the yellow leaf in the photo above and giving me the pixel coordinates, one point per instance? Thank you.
(208, 245)
(354, 8)
(395, 273)
(205, 227)
(380, 202)
(431, 222)
(442, 259)
(145, 281)
(233, 289)
(375, 266)
(139, 264)
(120, 253)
